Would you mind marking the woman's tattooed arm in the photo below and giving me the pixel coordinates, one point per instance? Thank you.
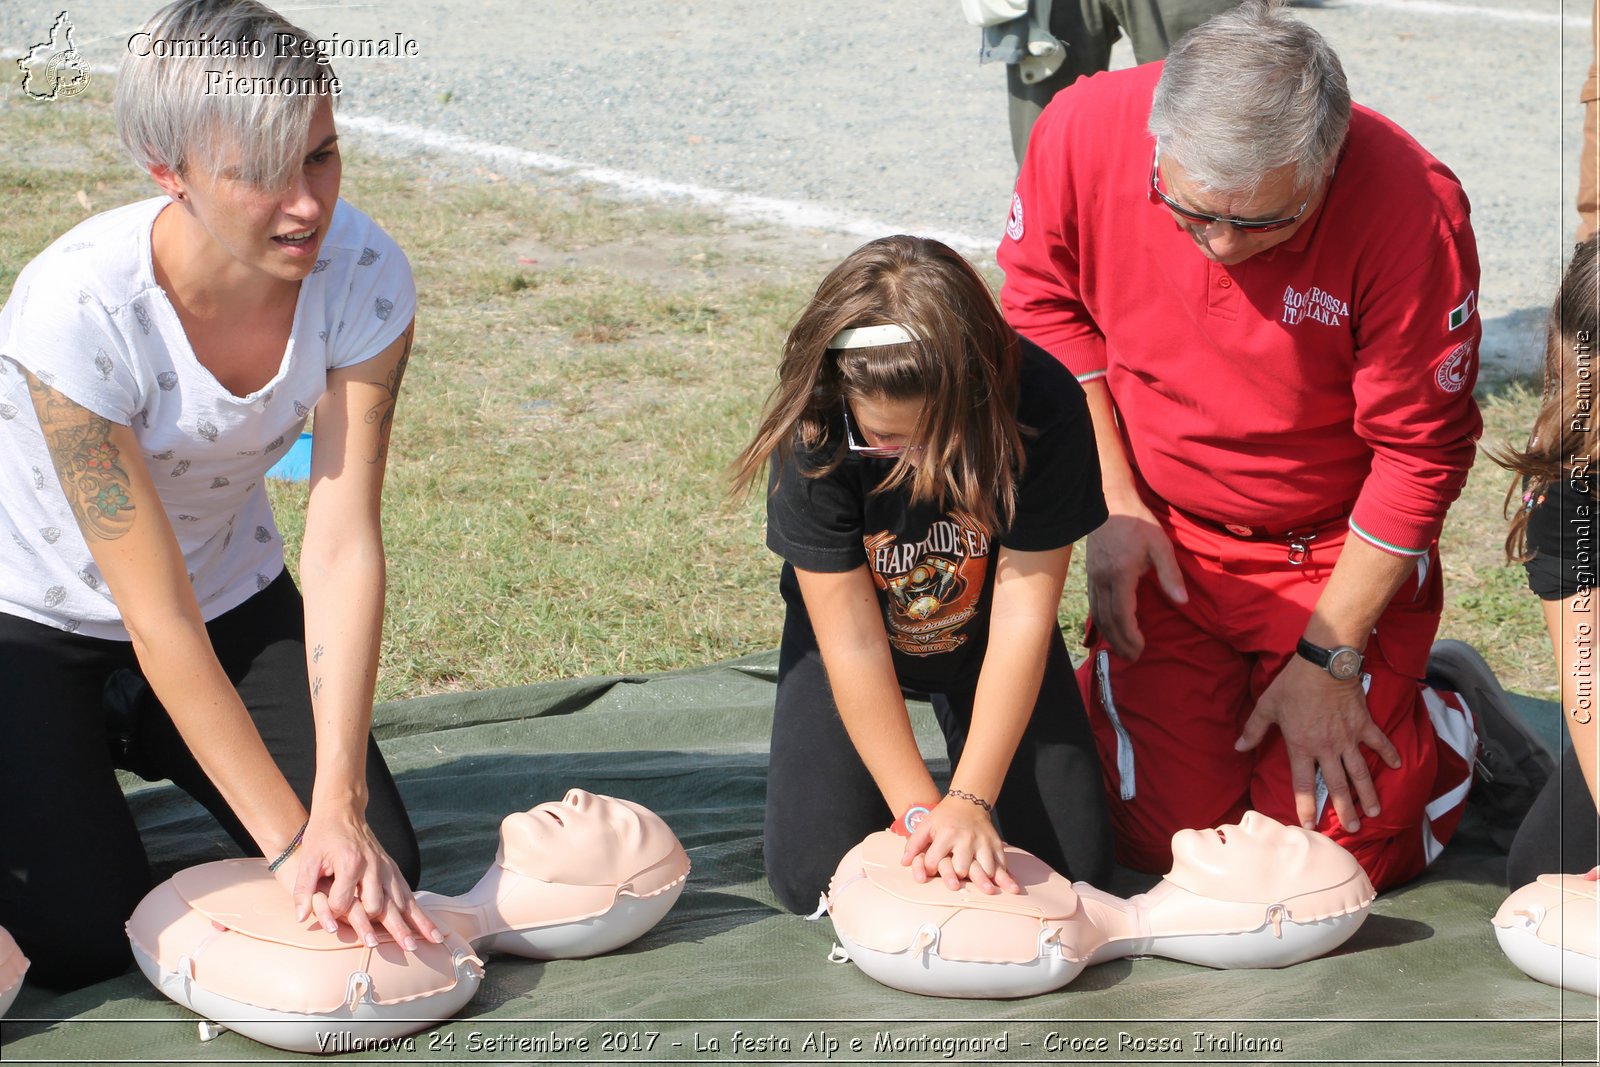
(382, 413)
(88, 464)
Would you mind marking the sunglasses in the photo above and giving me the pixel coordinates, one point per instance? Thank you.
(870, 451)
(1201, 218)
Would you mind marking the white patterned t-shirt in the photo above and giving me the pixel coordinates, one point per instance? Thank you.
(87, 318)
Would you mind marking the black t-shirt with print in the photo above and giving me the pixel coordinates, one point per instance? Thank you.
(934, 569)
(1561, 539)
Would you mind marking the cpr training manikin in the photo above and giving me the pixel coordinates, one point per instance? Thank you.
(572, 878)
(1258, 894)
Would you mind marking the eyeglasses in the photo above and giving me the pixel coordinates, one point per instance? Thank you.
(870, 451)
(1201, 218)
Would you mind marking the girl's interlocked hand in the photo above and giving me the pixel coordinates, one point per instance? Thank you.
(958, 843)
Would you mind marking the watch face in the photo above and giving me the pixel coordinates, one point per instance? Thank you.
(1344, 664)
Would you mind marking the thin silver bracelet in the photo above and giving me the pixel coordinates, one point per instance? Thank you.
(286, 853)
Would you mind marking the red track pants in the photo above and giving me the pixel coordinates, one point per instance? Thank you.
(1166, 724)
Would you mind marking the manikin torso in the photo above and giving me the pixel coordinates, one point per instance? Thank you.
(13, 965)
(1549, 928)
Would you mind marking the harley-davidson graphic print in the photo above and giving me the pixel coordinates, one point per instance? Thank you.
(932, 584)
(934, 567)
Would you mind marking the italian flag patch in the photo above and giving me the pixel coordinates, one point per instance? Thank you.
(1460, 315)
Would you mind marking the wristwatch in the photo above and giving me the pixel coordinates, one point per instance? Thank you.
(1343, 662)
(907, 824)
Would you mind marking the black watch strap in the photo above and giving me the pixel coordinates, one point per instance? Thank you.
(1315, 653)
(1343, 662)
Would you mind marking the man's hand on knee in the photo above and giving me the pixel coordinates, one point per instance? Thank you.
(1324, 723)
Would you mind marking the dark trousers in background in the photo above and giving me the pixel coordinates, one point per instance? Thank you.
(1561, 833)
(75, 710)
(1089, 28)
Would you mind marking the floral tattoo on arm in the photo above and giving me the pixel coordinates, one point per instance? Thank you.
(88, 464)
(382, 413)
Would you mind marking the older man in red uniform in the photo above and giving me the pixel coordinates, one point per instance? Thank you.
(1270, 296)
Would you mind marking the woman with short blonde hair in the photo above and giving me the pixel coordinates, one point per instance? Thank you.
(155, 361)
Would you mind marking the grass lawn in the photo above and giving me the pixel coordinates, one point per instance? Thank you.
(584, 370)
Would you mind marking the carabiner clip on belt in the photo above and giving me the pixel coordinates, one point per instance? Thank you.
(1300, 546)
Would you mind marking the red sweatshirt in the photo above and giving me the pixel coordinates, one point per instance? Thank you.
(1330, 373)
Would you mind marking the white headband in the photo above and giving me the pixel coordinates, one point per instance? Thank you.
(872, 336)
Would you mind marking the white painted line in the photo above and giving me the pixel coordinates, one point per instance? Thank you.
(746, 207)
(740, 206)
(1478, 11)
(801, 215)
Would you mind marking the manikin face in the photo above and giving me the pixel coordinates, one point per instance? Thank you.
(582, 839)
(1276, 197)
(276, 232)
(1257, 860)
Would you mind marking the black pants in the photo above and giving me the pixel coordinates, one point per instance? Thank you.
(821, 800)
(72, 866)
(1089, 28)
(1559, 834)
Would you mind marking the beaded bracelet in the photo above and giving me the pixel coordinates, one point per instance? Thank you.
(962, 794)
(287, 852)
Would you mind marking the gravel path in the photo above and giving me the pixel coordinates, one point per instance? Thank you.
(884, 120)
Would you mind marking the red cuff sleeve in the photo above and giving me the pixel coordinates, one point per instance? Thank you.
(1416, 363)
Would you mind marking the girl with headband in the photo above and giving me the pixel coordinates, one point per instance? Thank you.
(929, 473)
(155, 361)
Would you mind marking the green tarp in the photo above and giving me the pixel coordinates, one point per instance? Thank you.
(729, 978)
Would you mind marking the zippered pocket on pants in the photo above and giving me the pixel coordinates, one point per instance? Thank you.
(1102, 677)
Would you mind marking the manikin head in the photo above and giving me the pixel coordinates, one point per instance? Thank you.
(584, 839)
(1261, 861)
(1255, 894)
(566, 862)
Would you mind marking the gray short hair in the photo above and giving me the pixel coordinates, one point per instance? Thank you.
(1247, 92)
(205, 75)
